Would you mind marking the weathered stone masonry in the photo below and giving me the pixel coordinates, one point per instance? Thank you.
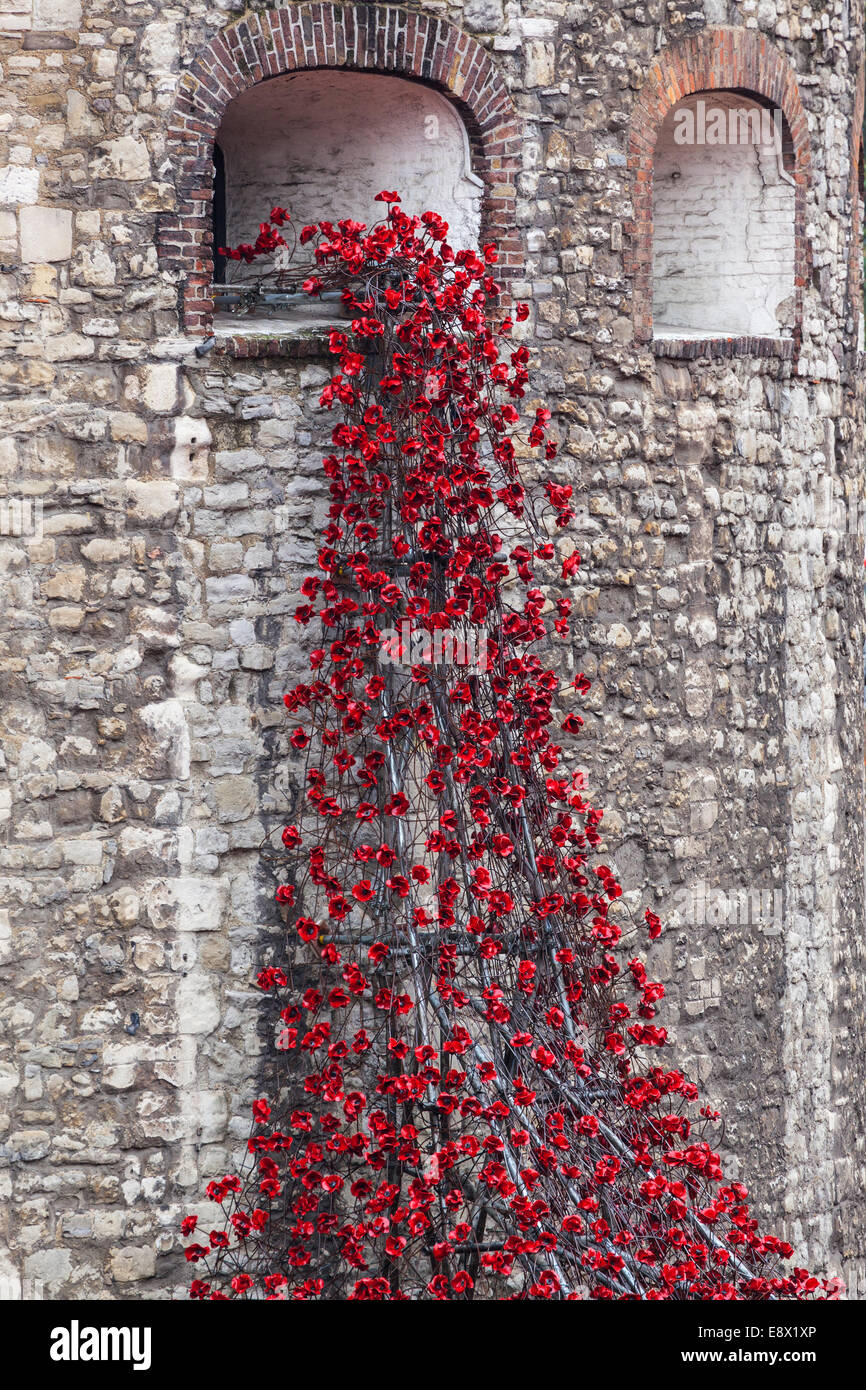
(146, 643)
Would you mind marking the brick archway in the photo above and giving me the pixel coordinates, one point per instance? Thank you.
(363, 38)
(715, 60)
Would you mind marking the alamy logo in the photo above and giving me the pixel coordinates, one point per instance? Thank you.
(727, 125)
(413, 646)
(13, 1288)
(701, 906)
(21, 516)
(75, 1343)
(833, 513)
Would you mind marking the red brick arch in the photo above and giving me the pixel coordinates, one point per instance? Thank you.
(715, 60)
(363, 38)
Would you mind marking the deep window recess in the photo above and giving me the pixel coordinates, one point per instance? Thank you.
(723, 256)
(322, 144)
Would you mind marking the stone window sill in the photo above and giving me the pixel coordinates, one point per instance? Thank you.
(311, 342)
(292, 335)
(248, 336)
(689, 348)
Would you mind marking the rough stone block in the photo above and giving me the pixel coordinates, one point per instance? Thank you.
(68, 347)
(189, 457)
(132, 1263)
(56, 14)
(159, 47)
(43, 282)
(45, 234)
(125, 158)
(18, 185)
(165, 743)
(50, 1266)
(153, 502)
(197, 1004)
(65, 583)
(67, 617)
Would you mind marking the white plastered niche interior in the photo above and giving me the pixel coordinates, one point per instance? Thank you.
(723, 221)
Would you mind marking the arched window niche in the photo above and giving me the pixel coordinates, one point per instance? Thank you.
(437, 97)
(723, 220)
(322, 143)
(717, 252)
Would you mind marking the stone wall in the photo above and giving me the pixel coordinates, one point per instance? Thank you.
(173, 501)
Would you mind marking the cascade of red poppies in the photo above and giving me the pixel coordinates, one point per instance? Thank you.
(472, 1097)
